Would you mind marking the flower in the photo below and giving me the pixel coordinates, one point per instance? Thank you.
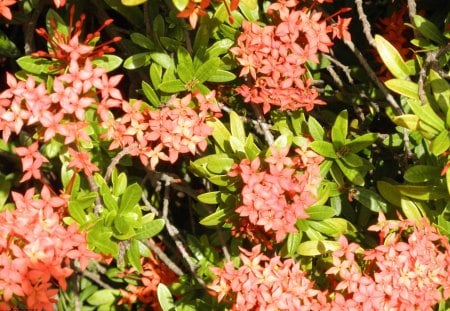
(4, 8)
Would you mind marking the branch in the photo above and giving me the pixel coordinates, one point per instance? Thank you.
(365, 23)
(96, 278)
(164, 258)
(29, 29)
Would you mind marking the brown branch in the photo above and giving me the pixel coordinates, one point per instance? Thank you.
(365, 22)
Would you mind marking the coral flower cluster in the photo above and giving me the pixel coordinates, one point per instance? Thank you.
(177, 128)
(275, 197)
(410, 270)
(274, 58)
(36, 250)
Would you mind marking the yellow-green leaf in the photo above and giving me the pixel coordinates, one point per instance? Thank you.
(409, 121)
(391, 58)
(132, 2)
(403, 87)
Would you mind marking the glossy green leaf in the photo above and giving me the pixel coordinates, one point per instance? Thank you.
(237, 127)
(315, 129)
(422, 173)
(220, 47)
(324, 148)
(142, 40)
(220, 133)
(165, 298)
(133, 15)
(77, 212)
(353, 174)
(389, 192)
(292, 243)
(441, 90)
(339, 129)
(36, 65)
(441, 143)
(150, 93)
(249, 9)
(134, 255)
(315, 248)
(162, 59)
(410, 209)
(103, 296)
(130, 198)
(207, 69)
(331, 226)
(429, 30)
(419, 192)
(173, 86)
(137, 61)
(370, 199)
(320, 212)
(108, 62)
(216, 218)
(427, 115)
(391, 58)
(132, 2)
(403, 87)
(149, 229)
(155, 74)
(409, 121)
(221, 76)
(352, 160)
(53, 17)
(5, 187)
(209, 197)
(361, 142)
(251, 149)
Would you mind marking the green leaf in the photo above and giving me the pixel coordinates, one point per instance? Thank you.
(162, 59)
(391, 58)
(220, 47)
(207, 69)
(173, 86)
(36, 65)
(441, 90)
(425, 193)
(249, 9)
(339, 130)
(53, 17)
(352, 160)
(315, 248)
(370, 199)
(422, 173)
(8, 47)
(134, 255)
(149, 229)
(221, 76)
(5, 187)
(132, 2)
(389, 192)
(180, 4)
(428, 30)
(220, 133)
(209, 197)
(292, 243)
(320, 212)
(142, 41)
(409, 121)
(76, 212)
(251, 149)
(103, 297)
(351, 173)
(237, 127)
(410, 209)
(406, 88)
(315, 129)
(217, 217)
(165, 298)
(130, 198)
(137, 61)
(441, 143)
(155, 74)
(133, 15)
(331, 226)
(427, 115)
(150, 93)
(362, 142)
(324, 148)
(107, 61)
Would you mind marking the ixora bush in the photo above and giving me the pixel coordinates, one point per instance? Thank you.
(224, 155)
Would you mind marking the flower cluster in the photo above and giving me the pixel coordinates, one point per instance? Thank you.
(408, 271)
(36, 250)
(195, 9)
(274, 57)
(153, 272)
(276, 197)
(263, 283)
(177, 128)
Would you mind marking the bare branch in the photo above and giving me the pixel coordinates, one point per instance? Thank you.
(365, 23)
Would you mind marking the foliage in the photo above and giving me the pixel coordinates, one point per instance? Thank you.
(224, 155)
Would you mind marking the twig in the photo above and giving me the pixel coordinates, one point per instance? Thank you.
(365, 23)
(114, 161)
(225, 251)
(172, 266)
(412, 10)
(29, 29)
(388, 96)
(96, 278)
(147, 20)
(94, 188)
(344, 68)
